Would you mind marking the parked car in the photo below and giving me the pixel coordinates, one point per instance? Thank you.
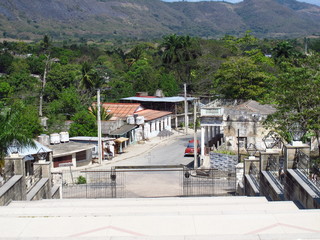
(189, 151)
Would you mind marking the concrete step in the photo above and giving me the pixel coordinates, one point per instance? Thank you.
(176, 206)
(142, 201)
(223, 218)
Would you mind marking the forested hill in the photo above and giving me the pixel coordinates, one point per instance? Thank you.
(143, 19)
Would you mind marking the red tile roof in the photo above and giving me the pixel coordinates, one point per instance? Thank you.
(152, 114)
(122, 110)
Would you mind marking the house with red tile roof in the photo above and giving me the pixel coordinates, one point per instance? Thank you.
(131, 122)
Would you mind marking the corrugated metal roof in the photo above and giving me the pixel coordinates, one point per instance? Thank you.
(164, 99)
(149, 114)
(89, 139)
(122, 130)
(24, 151)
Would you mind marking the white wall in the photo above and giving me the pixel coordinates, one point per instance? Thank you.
(152, 128)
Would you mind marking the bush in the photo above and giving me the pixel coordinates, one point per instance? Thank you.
(81, 180)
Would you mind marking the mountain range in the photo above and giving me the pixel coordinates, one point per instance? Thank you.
(146, 19)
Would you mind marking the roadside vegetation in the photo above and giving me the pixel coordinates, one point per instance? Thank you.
(59, 80)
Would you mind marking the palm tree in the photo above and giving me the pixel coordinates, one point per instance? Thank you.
(88, 76)
(105, 116)
(178, 54)
(11, 134)
(172, 46)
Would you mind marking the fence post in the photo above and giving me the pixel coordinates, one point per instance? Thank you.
(113, 177)
(19, 169)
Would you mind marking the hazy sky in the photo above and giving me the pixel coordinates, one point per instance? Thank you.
(317, 2)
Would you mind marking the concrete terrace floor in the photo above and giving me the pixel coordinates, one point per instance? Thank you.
(250, 218)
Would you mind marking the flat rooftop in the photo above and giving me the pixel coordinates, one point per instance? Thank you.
(163, 99)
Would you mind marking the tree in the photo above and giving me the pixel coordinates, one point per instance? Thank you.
(5, 62)
(168, 85)
(60, 78)
(88, 76)
(18, 124)
(143, 77)
(105, 116)
(84, 124)
(241, 78)
(68, 103)
(285, 51)
(297, 99)
(179, 53)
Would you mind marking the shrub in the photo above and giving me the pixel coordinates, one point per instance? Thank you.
(81, 180)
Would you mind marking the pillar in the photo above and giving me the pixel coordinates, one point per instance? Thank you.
(207, 136)
(169, 123)
(74, 159)
(202, 141)
(290, 151)
(19, 169)
(211, 133)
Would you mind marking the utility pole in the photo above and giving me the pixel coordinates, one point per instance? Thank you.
(186, 122)
(44, 82)
(99, 128)
(195, 139)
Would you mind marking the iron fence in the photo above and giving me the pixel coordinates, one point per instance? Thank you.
(147, 181)
(275, 170)
(6, 173)
(209, 182)
(254, 173)
(302, 162)
(92, 184)
(34, 178)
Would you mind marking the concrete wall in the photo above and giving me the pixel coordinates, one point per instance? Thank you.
(152, 128)
(13, 189)
(250, 127)
(55, 192)
(250, 188)
(84, 162)
(269, 189)
(40, 191)
(297, 190)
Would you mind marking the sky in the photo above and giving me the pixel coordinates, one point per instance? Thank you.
(316, 2)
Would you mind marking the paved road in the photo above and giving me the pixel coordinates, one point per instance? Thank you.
(167, 152)
(145, 183)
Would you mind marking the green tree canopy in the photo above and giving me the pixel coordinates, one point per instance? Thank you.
(84, 124)
(296, 95)
(241, 78)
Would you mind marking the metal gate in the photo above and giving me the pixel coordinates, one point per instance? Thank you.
(209, 182)
(92, 184)
(147, 181)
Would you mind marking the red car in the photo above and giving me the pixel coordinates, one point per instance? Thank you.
(190, 148)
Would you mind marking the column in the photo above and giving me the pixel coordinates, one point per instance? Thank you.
(202, 141)
(74, 160)
(211, 133)
(207, 136)
(176, 122)
(19, 169)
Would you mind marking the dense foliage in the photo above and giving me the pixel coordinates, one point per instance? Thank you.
(63, 78)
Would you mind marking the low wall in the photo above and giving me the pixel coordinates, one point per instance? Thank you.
(269, 188)
(296, 189)
(249, 187)
(40, 191)
(55, 192)
(13, 189)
